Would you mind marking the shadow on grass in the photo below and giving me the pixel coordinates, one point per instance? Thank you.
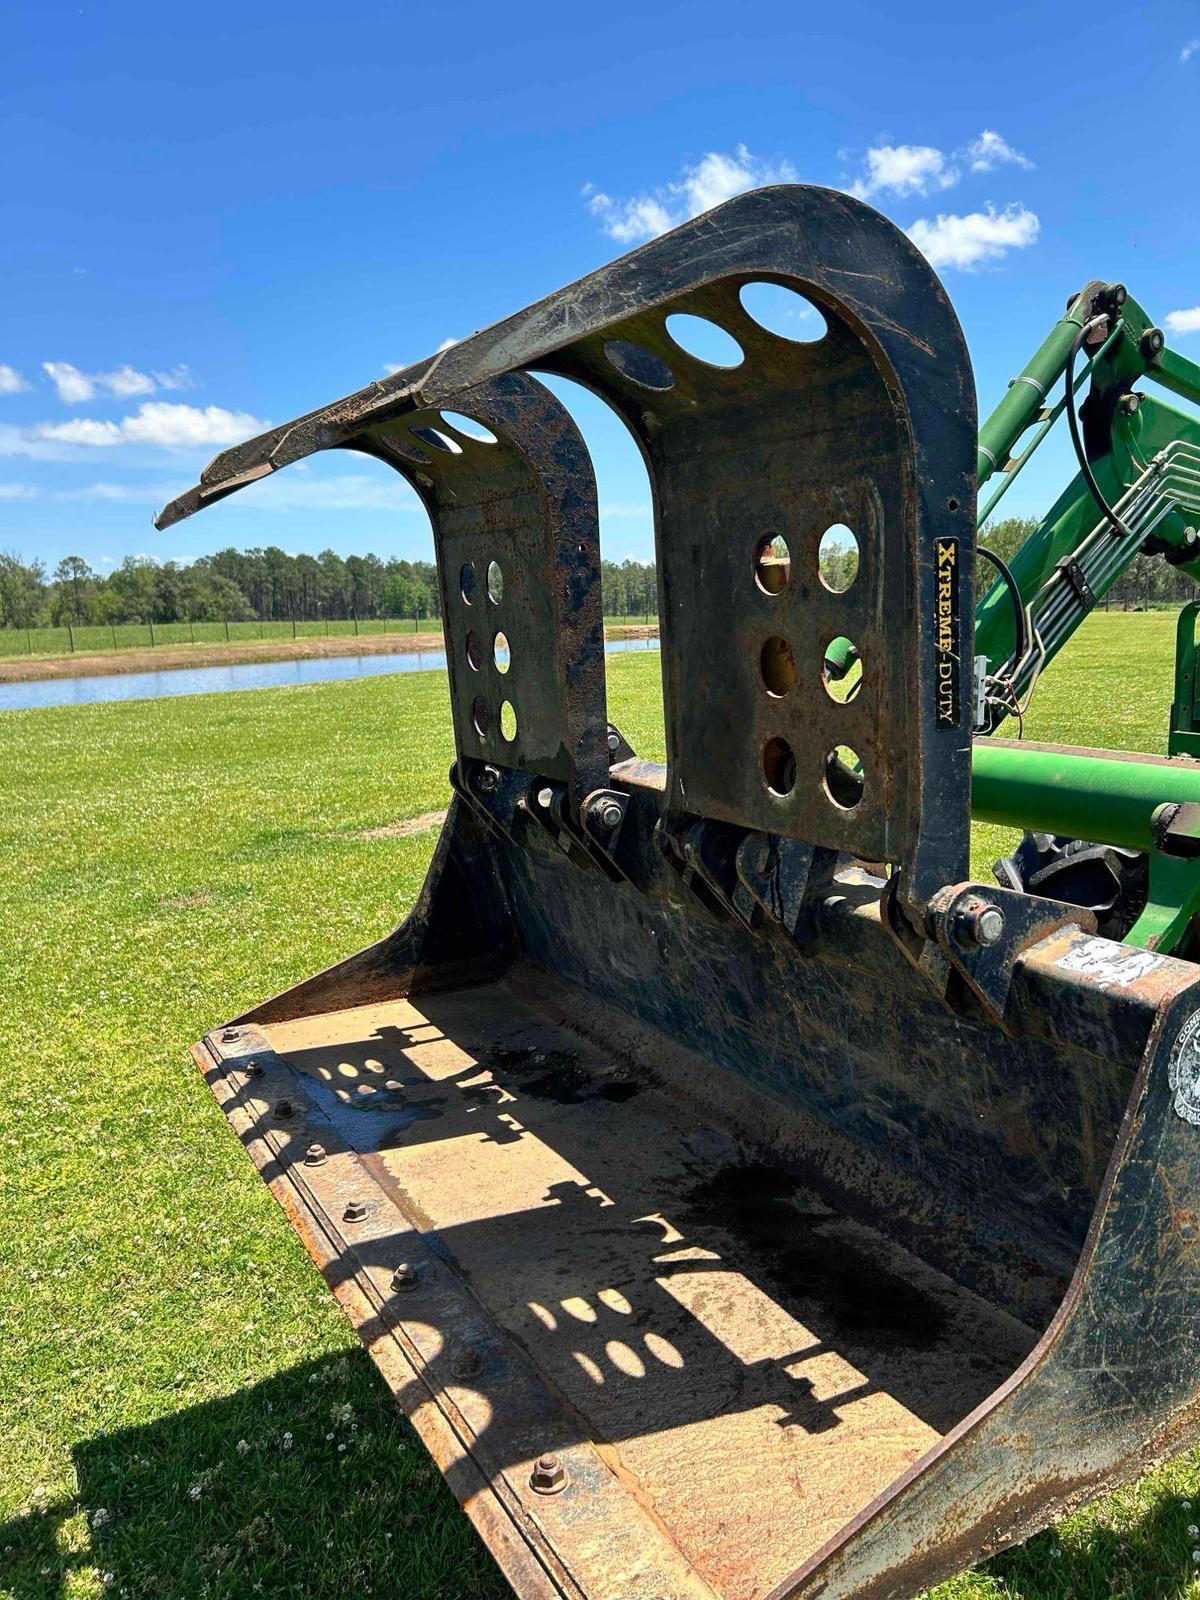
(310, 1483)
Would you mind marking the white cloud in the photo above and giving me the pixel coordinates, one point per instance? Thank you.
(446, 344)
(977, 239)
(72, 385)
(11, 381)
(716, 177)
(156, 422)
(1184, 321)
(920, 169)
(282, 491)
(18, 491)
(991, 150)
(903, 169)
(1191, 48)
(123, 383)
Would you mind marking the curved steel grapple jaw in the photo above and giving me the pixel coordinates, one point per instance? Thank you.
(739, 1201)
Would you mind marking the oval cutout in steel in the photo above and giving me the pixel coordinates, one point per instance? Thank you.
(779, 766)
(638, 365)
(772, 564)
(782, 311)
(837, 558)
(469, 427)
(844, 777)
(704, 340)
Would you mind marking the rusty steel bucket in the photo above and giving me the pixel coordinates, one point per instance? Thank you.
(731, 1217)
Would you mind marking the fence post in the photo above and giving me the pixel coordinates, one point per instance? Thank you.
(112, 628)
(71, 636)
(151, 621)
(226, 630)
(356, 624)
(28, 639)
(293, 623)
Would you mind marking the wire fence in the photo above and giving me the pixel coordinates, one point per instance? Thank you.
(104, 638)
(97, 638)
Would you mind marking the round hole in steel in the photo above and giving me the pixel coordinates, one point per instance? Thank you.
(437, 439)
(501, 654)
(841, 669)
(469, 427)
(772, 564)
(495, 583)
(837, 558)
(466, 582)
(706, 341)
(474, 651)
(844, 777)
(777, 665)
(640, 366)
(508, 720)
(782, 311)
(480, 716)
(779, 766)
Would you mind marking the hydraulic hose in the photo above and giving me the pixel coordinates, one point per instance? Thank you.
(1005, 571)
(1085, 465)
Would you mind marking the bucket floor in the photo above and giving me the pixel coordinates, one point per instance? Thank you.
(753, 1365)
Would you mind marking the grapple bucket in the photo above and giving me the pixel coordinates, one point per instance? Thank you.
(739, 1200)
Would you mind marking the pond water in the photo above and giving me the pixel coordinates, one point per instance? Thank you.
(240, 675)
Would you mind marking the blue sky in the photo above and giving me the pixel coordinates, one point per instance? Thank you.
(216, 217)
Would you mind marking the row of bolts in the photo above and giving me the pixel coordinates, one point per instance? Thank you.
(549, 1475)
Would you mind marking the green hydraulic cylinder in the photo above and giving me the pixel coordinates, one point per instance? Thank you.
(1026, 394)
(1081, 794)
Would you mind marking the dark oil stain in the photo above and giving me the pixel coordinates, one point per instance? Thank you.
(804, 1255)
(557, 1075)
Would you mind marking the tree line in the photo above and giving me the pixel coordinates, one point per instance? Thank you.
(1146, 582)
(269, 585)
(266, 585)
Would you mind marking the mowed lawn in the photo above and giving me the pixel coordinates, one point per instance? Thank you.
(185, 1412)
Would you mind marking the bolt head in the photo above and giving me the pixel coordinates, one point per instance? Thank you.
(549, 1476)
(228, 1035)
(314, 1156)
(284, 1108)
(254, 1069)
(405, 1277)
(356, 1211)
(989, 926)
(607, 813)
(467, 1362)
(488, 779)
(1129, 404)
(614, 743)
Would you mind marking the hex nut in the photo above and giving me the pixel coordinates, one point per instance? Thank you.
(549, 1476)
(284, 1108)
(467, 1362)
(314, 1156)
(405, 1277)
(356, 1211)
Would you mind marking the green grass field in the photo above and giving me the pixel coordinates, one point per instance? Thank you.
(185, 1412)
